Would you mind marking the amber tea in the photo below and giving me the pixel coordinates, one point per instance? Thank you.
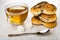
(16, 14)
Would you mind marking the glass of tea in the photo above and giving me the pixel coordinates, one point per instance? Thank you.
(16, 13)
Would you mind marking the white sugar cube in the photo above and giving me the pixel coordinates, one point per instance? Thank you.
(20, 28)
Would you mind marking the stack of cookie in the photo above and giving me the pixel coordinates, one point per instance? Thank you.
(45, 14)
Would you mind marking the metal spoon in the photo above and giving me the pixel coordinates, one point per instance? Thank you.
(40, 32)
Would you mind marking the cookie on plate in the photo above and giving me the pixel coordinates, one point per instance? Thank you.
(50, 24)
(36, 21)
(48, 18)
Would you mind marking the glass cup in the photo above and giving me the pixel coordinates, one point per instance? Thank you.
(16, 13)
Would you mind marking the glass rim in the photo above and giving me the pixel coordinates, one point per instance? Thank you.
(17, 3)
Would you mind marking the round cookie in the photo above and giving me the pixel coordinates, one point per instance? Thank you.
(36, 10)
(48, 18)
(49, 9)
(50, 24)
(43, 7)
(36, 21)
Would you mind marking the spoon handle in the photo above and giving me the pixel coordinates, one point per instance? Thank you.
(11, 35)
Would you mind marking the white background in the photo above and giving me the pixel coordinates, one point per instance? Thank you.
(54, 35)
